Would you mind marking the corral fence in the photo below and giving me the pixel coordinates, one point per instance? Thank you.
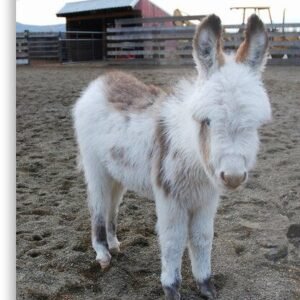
(22, 55)
(163, 40)
(154, 41)
(81, 46)
(66, 46)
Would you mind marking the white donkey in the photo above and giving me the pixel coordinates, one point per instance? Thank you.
(181, 148)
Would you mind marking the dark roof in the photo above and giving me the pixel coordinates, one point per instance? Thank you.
(85, 6)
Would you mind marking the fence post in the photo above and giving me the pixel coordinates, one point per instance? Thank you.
(26, 37)
(93, 46)
(26, 33)
(77, 56)
(60, 56)
(104, 28)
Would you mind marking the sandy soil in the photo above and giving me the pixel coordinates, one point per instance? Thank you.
(257, 231)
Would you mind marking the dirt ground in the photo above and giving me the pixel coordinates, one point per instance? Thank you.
(257, 230)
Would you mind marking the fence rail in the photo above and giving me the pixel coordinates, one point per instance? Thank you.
(148, 40)
(163, 44)
(66, 46)
(22, 55)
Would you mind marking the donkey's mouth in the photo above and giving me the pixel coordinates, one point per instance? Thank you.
(233, 188)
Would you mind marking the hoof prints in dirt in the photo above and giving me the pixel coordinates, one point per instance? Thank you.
(256, 245)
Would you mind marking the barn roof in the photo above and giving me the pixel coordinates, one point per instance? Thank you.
(74, 7)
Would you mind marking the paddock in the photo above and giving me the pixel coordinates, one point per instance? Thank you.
(257, 230)
(153, 41)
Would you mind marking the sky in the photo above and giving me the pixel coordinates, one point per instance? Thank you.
(43, 12)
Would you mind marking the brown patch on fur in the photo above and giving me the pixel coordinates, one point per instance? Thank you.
(220, 56)
(127, 93)
(164, 145)
(254, 25)
(118, 154)
(205, 143)
(154, 90)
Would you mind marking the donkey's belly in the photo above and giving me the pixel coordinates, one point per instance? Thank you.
(133, 177)
(126, 152)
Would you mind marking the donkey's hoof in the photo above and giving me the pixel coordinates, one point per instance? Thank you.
(207, 289)
(114, 246)
(171, 293)
(104, 264)
(104, 261)
(114, 251)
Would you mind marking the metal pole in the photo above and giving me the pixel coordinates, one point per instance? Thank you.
(283, 20)
(270, 17)
(93, 46)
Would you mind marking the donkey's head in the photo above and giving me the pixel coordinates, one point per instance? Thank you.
(231, 103)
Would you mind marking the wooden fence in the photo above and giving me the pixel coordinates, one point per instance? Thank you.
(22, 55)
(66, 46)
(147, 41)
(152, 41)
(39, 45)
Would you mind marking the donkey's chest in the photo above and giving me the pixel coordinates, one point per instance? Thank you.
(193, 187)
(186, 183)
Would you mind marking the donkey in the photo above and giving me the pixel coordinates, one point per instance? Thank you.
(181, 148)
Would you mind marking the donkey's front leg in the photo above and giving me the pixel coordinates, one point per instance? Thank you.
(201, 232)
(172, 226)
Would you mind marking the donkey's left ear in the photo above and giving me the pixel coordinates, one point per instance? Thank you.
(253, 50)
(207, 45)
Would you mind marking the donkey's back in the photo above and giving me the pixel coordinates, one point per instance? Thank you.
(115, 126)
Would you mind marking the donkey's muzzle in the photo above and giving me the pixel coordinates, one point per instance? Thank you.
(233, 181)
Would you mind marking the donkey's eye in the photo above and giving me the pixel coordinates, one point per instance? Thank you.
(206, 122)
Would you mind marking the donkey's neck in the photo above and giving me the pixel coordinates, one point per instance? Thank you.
(181, 128)
(183, 157)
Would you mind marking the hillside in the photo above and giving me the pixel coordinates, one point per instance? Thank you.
(40, 28)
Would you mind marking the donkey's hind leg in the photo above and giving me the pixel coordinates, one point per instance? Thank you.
(111, 220)
(100, 198)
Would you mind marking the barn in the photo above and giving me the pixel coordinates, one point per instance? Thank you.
(98, 15)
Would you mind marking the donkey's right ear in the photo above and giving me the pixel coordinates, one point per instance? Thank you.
(207, 45)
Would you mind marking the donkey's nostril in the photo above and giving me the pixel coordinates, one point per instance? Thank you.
(222, 176)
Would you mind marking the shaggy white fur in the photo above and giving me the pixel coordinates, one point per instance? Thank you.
(179, 149)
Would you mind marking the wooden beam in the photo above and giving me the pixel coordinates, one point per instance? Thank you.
(150, 36)
(159, 19)
(102, 15)
(157, 30)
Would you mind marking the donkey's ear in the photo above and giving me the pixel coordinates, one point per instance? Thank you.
(254, 48)
(207, 45)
